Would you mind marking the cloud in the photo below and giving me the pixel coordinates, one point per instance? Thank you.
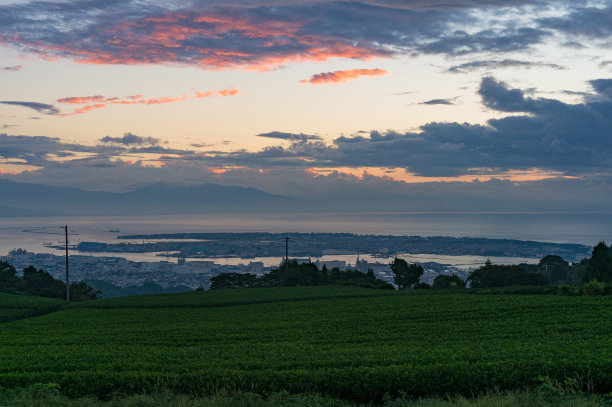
(444, 4)
(13, 68)
(489, 40)
(504, 63)
(228, 92)
(85, 109)
(80, 100)
(129, 139)
(603, 87)
(103, 101)
(449, 101)
(35, 150)
(39, 107)
(605, 64)
(545, 134)
(536, 136)
(497, 96)
(590, 22)
(263, 34)
(343, 76)
(289, 136)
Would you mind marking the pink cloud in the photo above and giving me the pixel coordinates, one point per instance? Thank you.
(343, 76)
(215, 40)
(78, 100)
(228, 92)
(135, 99)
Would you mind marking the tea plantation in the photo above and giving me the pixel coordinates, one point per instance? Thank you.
(349, 343)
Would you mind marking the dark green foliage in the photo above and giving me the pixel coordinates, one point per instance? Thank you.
(577, 272)
(445, 281)
(81, 291)
(233, 280)
(292, 274)
(110, 290)
(8, 277)
(373, 345)
(41, 284)
(405, 276)
(223, 298)
(599, 266)
(13, 307)
(495, 275)
(556, 268)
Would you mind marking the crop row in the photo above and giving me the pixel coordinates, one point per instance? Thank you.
(351, 347)
(234, 297)
(13, 307)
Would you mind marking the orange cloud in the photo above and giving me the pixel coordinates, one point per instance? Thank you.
(135, 99)
(163, 100)
(343, 76)
(206, 94)
(228, 92)
(85, 109)
(223, 170)
(400, 174)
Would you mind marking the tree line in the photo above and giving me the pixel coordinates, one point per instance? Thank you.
(551, 270)
(42, 284)
(292, 274)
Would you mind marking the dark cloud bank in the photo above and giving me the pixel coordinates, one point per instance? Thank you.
(571, 139)
(270, 33)
(574, 139)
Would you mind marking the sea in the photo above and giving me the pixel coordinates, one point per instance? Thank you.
(36, 234)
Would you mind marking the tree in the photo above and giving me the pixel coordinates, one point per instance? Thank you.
(599, 266)
(233, 280)
(42, 284)
(495, 275)
(405, 275)
(305, 274)
(81, 291)
(444, 281)
(8, 277)
(556, 268)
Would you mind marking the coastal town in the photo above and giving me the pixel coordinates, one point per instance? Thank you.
(192, 274)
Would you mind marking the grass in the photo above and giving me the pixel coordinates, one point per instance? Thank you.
(49, 396)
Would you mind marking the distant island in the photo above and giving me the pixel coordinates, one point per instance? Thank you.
(260, 244)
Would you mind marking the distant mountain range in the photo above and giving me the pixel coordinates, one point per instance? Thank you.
(26, 199)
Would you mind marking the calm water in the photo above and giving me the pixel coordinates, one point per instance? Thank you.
(32, 233)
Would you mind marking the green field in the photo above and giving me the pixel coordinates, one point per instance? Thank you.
(13, 307)
(350, 343)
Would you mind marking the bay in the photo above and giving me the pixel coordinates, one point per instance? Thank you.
(34, 233)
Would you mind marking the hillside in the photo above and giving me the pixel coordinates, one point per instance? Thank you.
(45, 200)
(349, 343)
(14, 307)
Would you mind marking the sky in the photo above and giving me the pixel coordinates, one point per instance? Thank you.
(471, 101)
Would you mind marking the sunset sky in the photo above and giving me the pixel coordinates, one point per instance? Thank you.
(448, 99)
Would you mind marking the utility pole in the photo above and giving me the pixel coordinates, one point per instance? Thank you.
(67, 275)
(287, 253)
